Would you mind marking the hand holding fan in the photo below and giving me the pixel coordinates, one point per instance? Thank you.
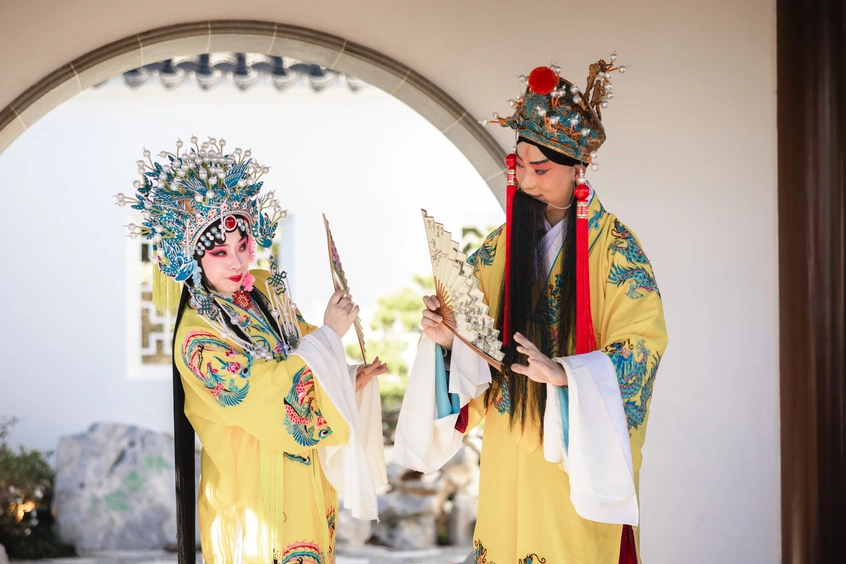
(339, 280)
(462, 302)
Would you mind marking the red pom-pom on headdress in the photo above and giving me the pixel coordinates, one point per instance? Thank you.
(543, 80)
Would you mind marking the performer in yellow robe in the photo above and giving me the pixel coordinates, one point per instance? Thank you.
(275, 406)
(563, 432)
(284, 422)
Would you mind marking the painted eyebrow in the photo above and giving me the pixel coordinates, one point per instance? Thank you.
(244, 238)
(543, 162)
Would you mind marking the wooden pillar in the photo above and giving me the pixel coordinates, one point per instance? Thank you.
(812, 237)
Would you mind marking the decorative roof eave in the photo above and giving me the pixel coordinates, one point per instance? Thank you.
(242, 69)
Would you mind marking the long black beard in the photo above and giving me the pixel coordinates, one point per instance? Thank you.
(529, 311)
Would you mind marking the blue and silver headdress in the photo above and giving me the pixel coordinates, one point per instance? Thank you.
(555, 113)
(180, 201)
(194, 188)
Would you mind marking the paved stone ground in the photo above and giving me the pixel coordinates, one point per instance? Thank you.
(365, 555)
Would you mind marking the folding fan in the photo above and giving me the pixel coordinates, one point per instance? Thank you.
(462, 302)
(339, 280)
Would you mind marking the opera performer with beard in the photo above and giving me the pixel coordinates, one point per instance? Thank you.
(583, 335)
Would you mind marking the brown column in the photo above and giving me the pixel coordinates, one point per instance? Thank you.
(812, 157)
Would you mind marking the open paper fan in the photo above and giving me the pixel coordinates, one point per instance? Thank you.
(462, 302)
(339, 280)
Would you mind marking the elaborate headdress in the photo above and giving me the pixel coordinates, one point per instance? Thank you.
(180, 199)
(556, 114)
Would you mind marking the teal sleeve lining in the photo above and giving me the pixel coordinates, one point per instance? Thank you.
(446, 402)
(564, 404)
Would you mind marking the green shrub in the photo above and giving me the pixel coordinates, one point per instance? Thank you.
(26, 494)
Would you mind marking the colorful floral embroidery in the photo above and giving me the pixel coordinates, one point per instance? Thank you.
(487, 252)
(299, 553)
(331, 521)
(632, 365)
(481, 553)
(532, 559)
(210, 360)
(304, 460)
(302, 418)
(252, 322)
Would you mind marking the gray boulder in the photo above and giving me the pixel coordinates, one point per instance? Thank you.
(407, 520)
(115, 489)
(351, 532)
(412, 533)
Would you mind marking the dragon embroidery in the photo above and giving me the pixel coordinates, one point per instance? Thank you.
(302, 417)
(636, 370)
(487, 252)
(638, 276)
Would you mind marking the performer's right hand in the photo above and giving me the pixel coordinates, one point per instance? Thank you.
(340, 313)
(433, 324)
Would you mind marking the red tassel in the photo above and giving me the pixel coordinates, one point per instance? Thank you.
(585, 338)
(510, 191)
(628, 548)
(463, 419)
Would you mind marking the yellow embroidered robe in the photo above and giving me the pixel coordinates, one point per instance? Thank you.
(253, 415)
(525, 514)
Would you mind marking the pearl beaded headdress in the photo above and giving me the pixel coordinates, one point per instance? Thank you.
(180, 199)
(193, 189)
(555, 113)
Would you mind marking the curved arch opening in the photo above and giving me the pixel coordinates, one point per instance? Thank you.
(266, 38)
